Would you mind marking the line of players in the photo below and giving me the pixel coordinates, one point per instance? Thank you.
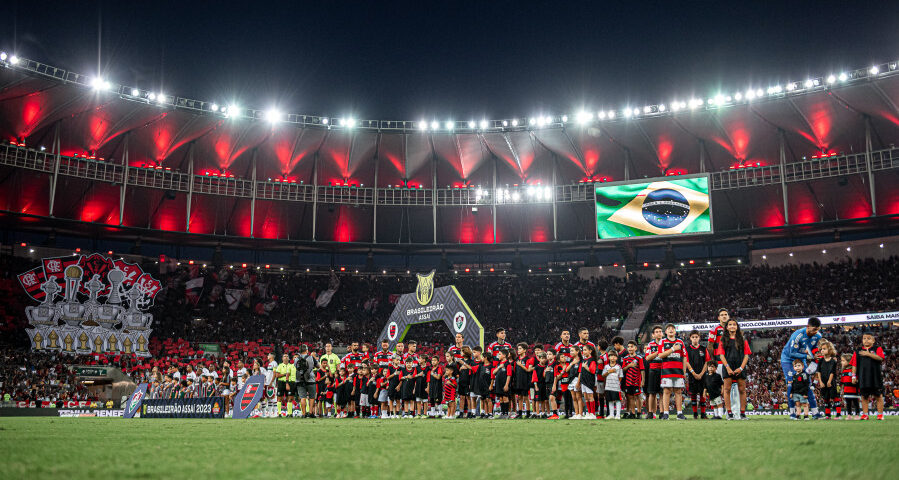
(578, 380)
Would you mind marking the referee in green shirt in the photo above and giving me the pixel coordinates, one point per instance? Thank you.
(286, 373)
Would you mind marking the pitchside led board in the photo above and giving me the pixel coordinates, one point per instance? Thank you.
(673, 206)
(429, 304)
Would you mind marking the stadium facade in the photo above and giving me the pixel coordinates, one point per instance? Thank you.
(87, 162)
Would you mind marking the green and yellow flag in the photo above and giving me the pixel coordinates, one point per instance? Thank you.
(667, 207)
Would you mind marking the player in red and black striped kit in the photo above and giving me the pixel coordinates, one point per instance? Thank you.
(697, 360)
(634, 376)
(456, 350)
(382, 357)
(673, 353)
(564, 347)
(654, 372)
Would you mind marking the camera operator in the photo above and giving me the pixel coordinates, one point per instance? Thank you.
(306, 365)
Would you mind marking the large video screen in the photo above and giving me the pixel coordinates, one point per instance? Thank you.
(675, 206)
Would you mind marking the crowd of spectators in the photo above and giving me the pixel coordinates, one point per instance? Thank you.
(760, 292)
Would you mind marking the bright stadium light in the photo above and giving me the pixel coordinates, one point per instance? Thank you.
(759, 93)
(627, 113)
(471, 124)
(601, 115)
(14, 60)
(831, 79)
(809, 83)
(325, 120)
(564, 118)
(843, 77)
(675, 106)
(662, 107)
(350, 122)
(611, 114)
(548, 120)
(3, 56)
(750, 94)
(583, 117)
(422, 125)
(151, 96)
(505, 123)
(233, 110)
(516, 196)
(435, 125)
(636, 112)
(161, 98)
(214, 107)
(450, 125)
(532, 121)
(647, 109)
(135, 92)
(874, 70)
(738, 96)
(514, 122)
(540, 121)
(484, 124)
(272, 115)
(99, 84)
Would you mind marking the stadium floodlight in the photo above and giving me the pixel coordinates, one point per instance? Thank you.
(611, 114)
(662, 107)
(636, 112)
(14, 60)
(627, 113)
(547, 193)
(161, 98)
(540, 121)
(759, 93)
(3, 56)
(750, 94)
(790, 86)
(514, 122)
(548, 120)
(151, 96)
(874, 70)
(516, 196)
(583, 117)
(449, 125)
(719, 99)
(505, 123)
(233, 110)
(843, 77)
(272, 115)
(135, 92)
(214, 107)
(738, 96)
(422, 125)
(564, 118)
(484, 124)
(435, 125)
(324, 120)
(532, 121)
(601, 115)
(99, 84)
(647, 109)
(831, 79)
(351, 122)
(471, 124)
(809, 83)
(675, 106)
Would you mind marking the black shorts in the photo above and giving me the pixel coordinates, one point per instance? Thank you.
(653, 381)
(830, 394)
(631, 390)
(393, 393)
(541, 393)
(463, 389)
(613, 396)
(870, 391)
(738, 376)
(522, 392)
(282, 388)
(696, 386)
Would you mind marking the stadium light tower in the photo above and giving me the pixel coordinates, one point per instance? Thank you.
(233, 111)
(484, 124)
(272, 115)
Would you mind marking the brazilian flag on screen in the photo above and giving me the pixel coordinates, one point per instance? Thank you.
(667, 207)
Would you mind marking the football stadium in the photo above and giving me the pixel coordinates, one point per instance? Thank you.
(225, 286)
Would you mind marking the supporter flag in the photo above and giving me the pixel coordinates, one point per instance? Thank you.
(31, 281)
(233, 297)
(132, 272)
(148, 285)
(393, 298)
(193, 288)
(95, 264)
(656, 208)
(57, 266)
(324, 298)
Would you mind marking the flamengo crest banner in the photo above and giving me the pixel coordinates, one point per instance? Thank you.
(247, 398)
(89, 304)
(134, 402)
(829, 320)
(429, 304)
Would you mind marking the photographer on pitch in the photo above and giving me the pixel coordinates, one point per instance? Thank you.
(306, 365)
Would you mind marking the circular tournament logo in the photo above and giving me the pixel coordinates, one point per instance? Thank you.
(459, 322)
(665, 208)
(392, 331)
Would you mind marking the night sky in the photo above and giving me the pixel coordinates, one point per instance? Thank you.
(450, 60)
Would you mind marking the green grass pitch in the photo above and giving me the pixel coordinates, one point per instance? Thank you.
(765, 448)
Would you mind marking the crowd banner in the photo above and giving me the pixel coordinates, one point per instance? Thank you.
(828, 320)
(133, 404)
(206, 407)
(247, 398)
(429, 304)
(80, 413)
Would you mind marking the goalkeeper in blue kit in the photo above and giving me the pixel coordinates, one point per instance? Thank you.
(803, 346)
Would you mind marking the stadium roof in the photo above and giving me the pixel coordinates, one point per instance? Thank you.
(103, 124)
